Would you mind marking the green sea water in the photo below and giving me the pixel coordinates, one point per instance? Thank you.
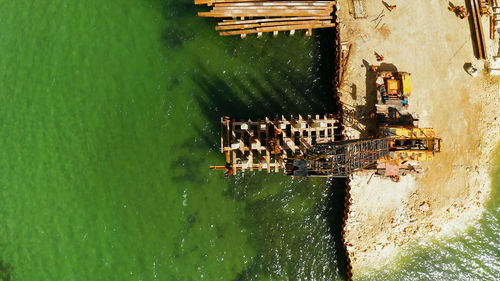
(109, 119)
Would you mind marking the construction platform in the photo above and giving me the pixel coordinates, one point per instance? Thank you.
(314, 147)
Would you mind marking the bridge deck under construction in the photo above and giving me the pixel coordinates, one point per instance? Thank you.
(301, 147)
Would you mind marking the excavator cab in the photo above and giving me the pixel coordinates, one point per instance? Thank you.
(393, 91)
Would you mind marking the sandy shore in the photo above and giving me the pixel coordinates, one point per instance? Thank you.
(425, 39)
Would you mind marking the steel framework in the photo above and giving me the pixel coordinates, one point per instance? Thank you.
(339, 159)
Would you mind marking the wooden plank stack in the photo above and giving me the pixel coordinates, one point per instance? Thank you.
(259, 16)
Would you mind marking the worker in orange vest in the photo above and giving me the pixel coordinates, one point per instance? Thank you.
(463, 13)
(460, 11)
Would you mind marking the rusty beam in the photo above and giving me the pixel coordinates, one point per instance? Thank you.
(276, 28)
(231, 22)
(263, 13)
(278, 23)
(478, 29)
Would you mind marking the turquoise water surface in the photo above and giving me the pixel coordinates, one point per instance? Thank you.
(109, 121)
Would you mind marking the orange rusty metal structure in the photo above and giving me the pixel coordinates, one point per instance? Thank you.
(478, 29)
(313, 147)
(267, 144)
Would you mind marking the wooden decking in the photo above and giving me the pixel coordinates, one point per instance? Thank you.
(259, 16)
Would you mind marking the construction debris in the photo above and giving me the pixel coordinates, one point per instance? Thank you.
(494, 66)
(359, 7)
(344, 61)
(378, 19)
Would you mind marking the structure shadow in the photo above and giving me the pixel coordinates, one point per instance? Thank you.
(180, 28)
(367, 111)
(285, 93)
(5, 271)
(334, 213)
(256, 96)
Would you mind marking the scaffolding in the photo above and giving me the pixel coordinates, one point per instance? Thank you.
(267, 144)
(338, 159)
(313, 147)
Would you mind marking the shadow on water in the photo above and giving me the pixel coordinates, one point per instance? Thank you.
(285, 92)
(288, 242)
(336, 199)
(301, 245)
(177, 33)
(5, 271)
(286, 245)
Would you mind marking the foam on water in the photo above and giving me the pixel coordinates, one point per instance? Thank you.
(469, 253)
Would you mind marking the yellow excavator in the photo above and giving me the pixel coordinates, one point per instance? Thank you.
(409, 147)
(393, 90)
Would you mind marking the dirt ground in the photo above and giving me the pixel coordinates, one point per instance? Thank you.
(425, 39)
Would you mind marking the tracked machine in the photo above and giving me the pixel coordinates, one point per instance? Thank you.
(410, 147)
(393, 90)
